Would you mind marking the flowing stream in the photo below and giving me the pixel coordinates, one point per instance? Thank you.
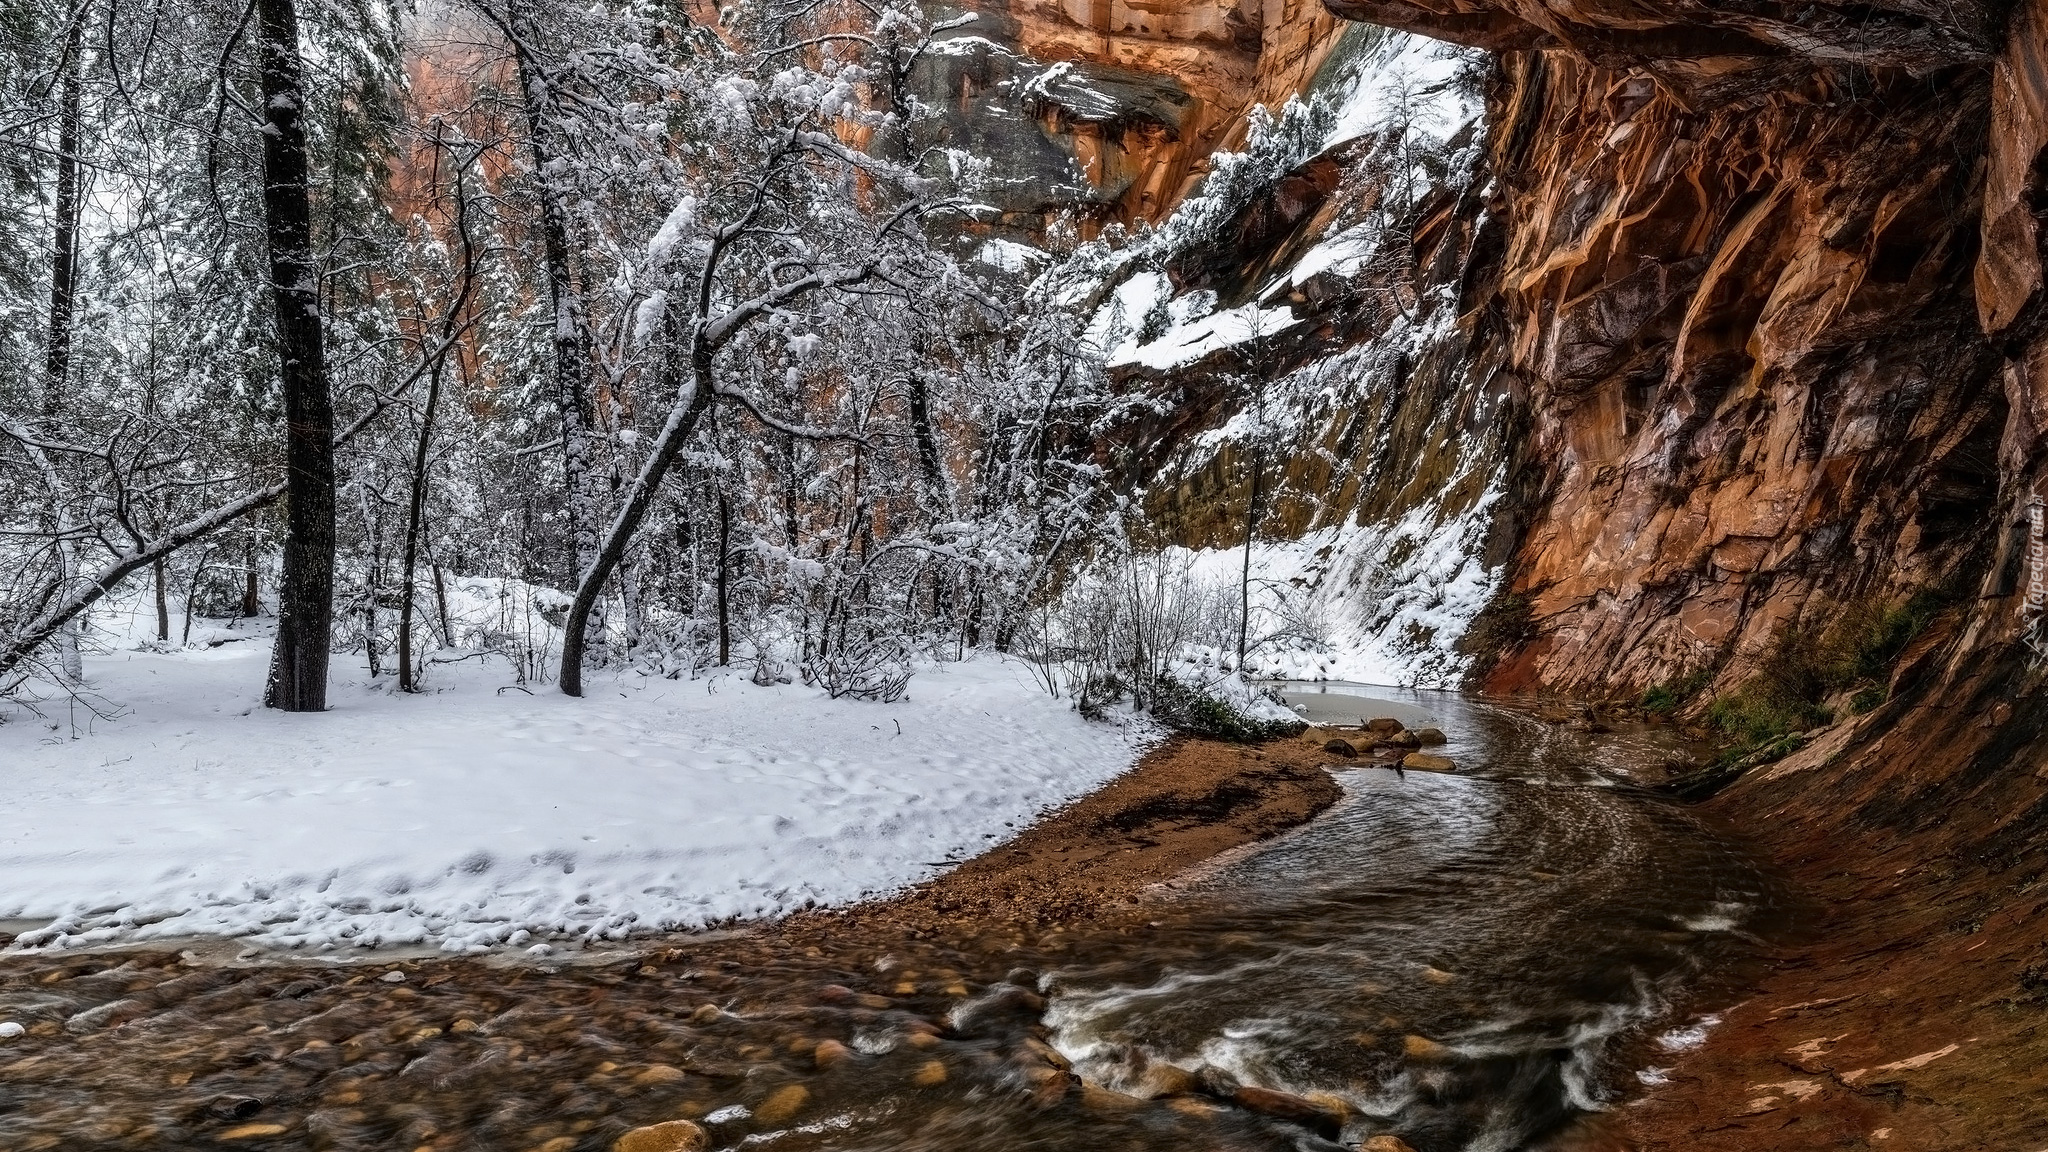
(1461, 958)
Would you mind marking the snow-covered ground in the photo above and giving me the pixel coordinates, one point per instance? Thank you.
(478, 815)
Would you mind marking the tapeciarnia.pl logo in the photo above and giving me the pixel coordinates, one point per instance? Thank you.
(2035, 605)
(2037, 555)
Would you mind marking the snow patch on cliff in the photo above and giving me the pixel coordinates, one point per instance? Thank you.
(1367, 603)
(1401, 80)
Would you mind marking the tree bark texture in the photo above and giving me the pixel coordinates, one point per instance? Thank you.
(298, 669)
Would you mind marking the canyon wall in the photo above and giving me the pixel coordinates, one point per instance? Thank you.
(1114, 107)
(1737, 297)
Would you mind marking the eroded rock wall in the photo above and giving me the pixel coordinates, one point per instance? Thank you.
(1738, 295)
(1746, 334)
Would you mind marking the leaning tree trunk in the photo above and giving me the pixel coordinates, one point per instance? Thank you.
(298, 666)
(1251, 528)
(682, 421)
(415, 514)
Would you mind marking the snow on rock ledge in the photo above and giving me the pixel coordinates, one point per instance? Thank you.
(471, 818)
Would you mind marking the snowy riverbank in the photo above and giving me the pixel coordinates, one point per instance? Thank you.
(478, 816)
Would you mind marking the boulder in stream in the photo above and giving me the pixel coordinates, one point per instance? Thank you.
(1425, 762)
(1316, 1116)
(674, 1136)
(1431, 736)
(1340, 748)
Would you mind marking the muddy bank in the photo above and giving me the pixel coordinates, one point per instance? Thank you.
(1186, 802)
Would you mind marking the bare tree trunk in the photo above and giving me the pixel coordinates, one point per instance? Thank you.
(192, 595)
(682, 421)
(298, 668)
(415, 512)
(163, 604)
(64, 239)
(724, 577)
(252, 602)
(373, 525)
(571, 332)
(63, 301)
(441, 602)
(1251, 527)
(416, 507)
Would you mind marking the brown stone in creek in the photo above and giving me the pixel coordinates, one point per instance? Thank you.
(1384, 726)
(1423, 1048)
(705, 1014)
(1167, 1080)
(830, 1054)
(659, 1074)
(782, 1104)
(1104, 1102)
(1340, 748)
(1037, 1051)
(1431, 736)
(1425, 762)
(1319, 1118)
(1386, 1144)
(252, 1131)
(673, 1136)
(1049, 1086)
(929, 1074)
(1404, 739)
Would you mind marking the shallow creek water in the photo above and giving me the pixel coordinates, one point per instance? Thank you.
(1479, 962)
(1467, 960)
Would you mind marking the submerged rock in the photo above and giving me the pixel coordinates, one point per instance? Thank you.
(673, 1136)
(1320, 1118)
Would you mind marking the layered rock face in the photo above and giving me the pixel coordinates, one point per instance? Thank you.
(1738, 297)
(1757, 379)
(1114, 106)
